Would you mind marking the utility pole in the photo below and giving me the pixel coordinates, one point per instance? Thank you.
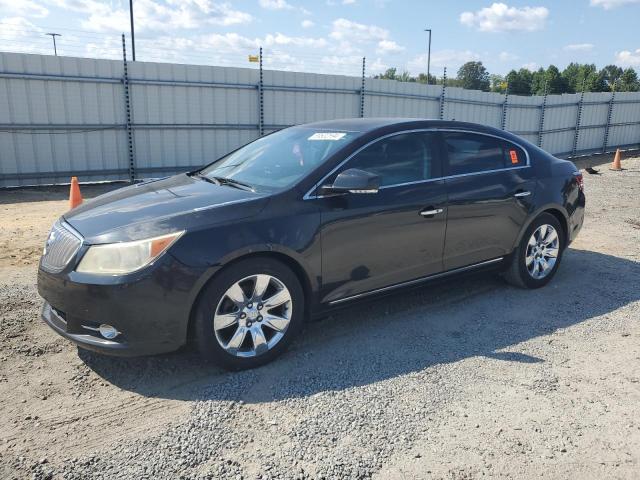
(53, 36)
(133, 39)
(428, 55)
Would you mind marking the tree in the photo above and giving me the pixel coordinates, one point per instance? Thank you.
(596, 82)
(422, 78)
(555, 82)
(498, 83)
(390, 74)
(611, 74)
(519, 82)
(629, 81)
(538, 82)
(405, 77)
(473, 75)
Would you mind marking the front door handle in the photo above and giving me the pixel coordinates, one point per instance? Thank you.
(526, 193)
(430, 211)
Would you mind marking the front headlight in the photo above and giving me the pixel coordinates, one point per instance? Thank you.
(125, 257)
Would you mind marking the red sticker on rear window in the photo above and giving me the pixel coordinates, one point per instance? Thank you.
(514, 156)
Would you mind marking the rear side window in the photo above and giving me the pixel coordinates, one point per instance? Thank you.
(403, 158)
(472, 153)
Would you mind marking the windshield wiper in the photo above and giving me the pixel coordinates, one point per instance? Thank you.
(205, 178)
(233, 183)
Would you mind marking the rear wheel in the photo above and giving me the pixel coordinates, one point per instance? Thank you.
(249, 313)
(537, 257)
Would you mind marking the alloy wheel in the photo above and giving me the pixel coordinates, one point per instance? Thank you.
(253, 315)
(542, 251)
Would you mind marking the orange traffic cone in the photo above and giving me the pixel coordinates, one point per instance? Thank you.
(75, 197)
(616, 166)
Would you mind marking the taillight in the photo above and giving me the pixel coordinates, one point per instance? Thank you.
(580, 180)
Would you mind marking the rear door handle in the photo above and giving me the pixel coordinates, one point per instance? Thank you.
(430, 212)
(526, 193)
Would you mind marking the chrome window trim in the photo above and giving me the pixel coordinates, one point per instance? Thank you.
(309, 196)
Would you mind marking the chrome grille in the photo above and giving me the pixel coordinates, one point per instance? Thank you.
(61, 247)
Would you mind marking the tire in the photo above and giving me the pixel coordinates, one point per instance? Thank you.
(519, 272)
(240, 345)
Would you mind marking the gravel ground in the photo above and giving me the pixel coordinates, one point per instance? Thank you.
(461, 380)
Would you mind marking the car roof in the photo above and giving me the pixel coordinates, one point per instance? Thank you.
(370, 124)
(383, 125)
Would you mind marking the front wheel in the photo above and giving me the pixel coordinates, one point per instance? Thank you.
(537, 258)
(249, 313)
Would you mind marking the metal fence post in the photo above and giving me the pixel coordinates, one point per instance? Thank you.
(127, 111)
(578, 118)
(442, 94)
(609, 114)
(364, 60)
(504, 107)
(541, 125)
(260, 99)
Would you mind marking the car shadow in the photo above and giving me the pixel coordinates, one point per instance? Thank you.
(476, 316)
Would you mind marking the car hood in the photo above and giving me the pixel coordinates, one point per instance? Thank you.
(161, 206)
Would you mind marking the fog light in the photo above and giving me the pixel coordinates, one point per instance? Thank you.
(108, 332)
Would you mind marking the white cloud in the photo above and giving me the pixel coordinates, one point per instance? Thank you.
(579, 47)
(280, 39)
(388, 46)
(348, 2)
(533, 66)
(609, 4)
(307, 24)
(275, 5)
(377, 66)
(500, 17)
(18, 28)
(344, 29)
(23, 7)
(150, 15)
(628, 58)
(507, 56)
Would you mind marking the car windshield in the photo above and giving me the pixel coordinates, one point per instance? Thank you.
(280, 159)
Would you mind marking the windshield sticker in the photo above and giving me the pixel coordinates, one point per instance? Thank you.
(333, 136)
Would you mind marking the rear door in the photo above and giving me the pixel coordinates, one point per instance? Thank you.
(372, 241)
(489, 187)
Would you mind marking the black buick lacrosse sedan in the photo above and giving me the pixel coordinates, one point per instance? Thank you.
(237, 255)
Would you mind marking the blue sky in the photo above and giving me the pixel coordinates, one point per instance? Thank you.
(332, 35)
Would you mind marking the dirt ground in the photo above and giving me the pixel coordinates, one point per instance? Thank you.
(464, 380)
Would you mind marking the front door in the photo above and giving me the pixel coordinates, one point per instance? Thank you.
(372, 241)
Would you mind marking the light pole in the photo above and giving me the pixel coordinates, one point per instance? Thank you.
(53, 36)
(428, 55)
(133, 39)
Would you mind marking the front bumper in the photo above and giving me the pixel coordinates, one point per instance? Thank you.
(151, 311)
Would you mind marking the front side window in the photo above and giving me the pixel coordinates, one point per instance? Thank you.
(473, 153)
(403, 158)
(279, 160)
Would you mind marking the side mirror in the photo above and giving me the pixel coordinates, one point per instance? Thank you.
(354, 180)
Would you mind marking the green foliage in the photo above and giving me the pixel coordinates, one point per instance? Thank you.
(498, 83)
(573, 79)
(519, 82)
(629, 81)
(473, 76)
